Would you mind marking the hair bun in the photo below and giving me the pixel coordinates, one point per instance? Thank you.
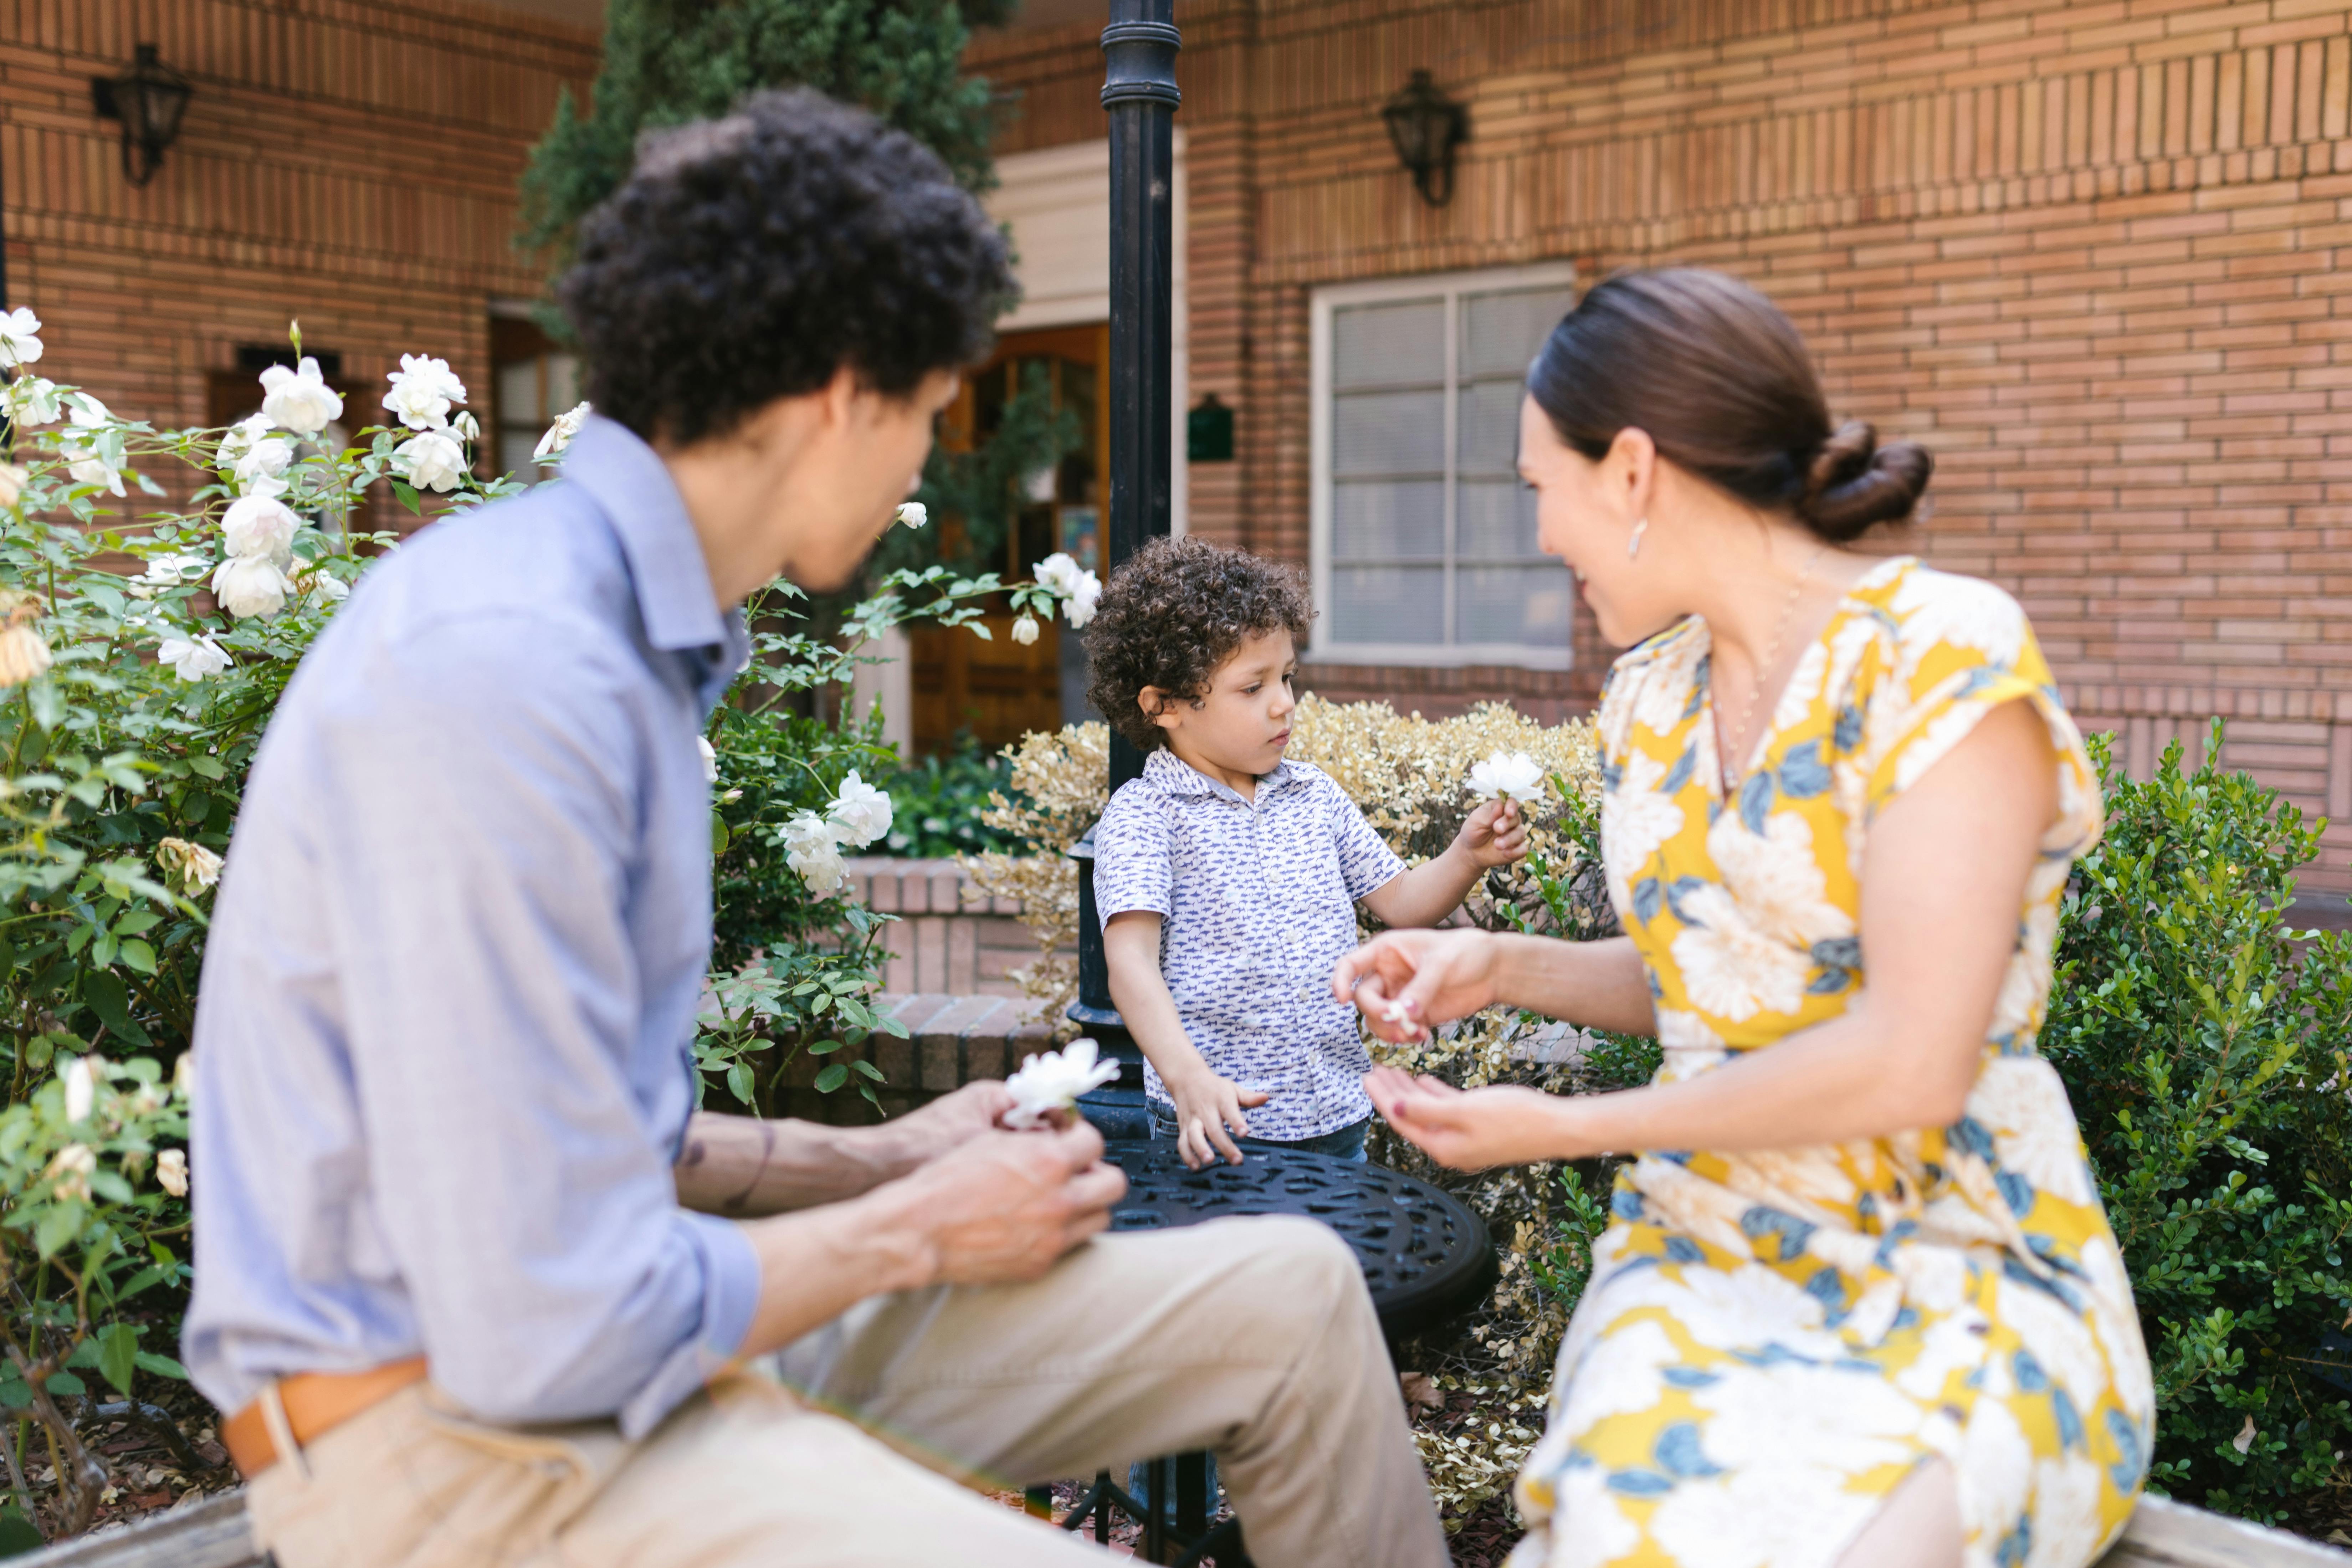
(1853, 483)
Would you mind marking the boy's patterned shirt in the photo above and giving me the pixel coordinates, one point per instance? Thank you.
(1257, 902)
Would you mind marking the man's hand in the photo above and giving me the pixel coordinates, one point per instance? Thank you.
(1403, 981)
(1206, 1105)
(951, 1120)
(1002, 1207)
(1495, 834)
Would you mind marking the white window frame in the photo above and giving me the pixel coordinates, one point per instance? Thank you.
(1451, 286)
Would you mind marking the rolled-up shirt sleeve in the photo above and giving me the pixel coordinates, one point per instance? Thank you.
(480, 863)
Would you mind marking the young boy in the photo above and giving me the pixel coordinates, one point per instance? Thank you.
(1228, 878)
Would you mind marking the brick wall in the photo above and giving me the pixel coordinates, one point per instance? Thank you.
(2088, 252)
(348, 161)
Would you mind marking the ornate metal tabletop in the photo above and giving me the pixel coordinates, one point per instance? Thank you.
(1425, 1256)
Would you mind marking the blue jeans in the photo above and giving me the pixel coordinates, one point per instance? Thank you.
(1347, 1144)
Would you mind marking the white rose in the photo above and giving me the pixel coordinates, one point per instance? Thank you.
(81, 1088)
(422, 389)
(192, 658)
(559, 434)
(12, 483)
(710, 758)
(261, 471)
(914, 513)
(1024, 630)
(1058, 572)
(34, 401)
(172, 1171)
(240, 439)
(73, 1167)
(20, 342)
(1084, 595)
(299, 399)
(1053, 1081)
(812, 848)
(196, 867)
(23, 654)
(86, 443)
(1512, 775)
(465, 426)
(261, 526)
(860, 814)
(431, 461)
(249, 585)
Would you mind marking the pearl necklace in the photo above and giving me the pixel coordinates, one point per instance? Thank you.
(1725, 762)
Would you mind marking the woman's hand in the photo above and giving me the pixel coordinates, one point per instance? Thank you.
(1206, 1105)
(1403, 981)
(1470, 1130)
(1495, 834)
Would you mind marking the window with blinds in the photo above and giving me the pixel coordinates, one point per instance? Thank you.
(1425, 538)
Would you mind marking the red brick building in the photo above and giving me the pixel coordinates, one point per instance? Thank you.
(2089, 252)
(2086, 251)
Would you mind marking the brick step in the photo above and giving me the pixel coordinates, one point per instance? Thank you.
(950, 937)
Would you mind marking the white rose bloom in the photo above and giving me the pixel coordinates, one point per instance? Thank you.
(1084, 595)
(422, 389)
(559, 434)
(249, 585)
(466, 428)
(914, 513)
(1024, 630)
(431, 461)
(299, 399)
(23, 654)
(861, 813)
(12, 483)
(73, 1167)
(192, 658)
(710, 758)
(262, 469)
(260, 527)
(20, 342)
(812, 848)
(81, 1088)
(172, 1171)
(196, 867)
(34, 401)
(1058, 572)
(1053, 1082)
(1506, 775)
(238, 440)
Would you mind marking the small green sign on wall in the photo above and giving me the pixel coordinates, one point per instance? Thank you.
(1209, 432)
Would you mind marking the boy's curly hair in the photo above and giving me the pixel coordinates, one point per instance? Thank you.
(1173, 613)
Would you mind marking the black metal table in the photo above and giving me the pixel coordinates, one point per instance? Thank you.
(1425, 1256)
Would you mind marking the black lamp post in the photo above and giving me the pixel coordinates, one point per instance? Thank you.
(149, 99)
(1425, 127)
(1140, 97)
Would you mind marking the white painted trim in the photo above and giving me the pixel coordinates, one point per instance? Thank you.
(1450, 284)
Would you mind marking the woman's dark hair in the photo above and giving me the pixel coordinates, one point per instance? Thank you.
(1171, 614)
(1719, 378)
(751, 258)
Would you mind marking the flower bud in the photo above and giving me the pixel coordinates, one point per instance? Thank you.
(1024, 630)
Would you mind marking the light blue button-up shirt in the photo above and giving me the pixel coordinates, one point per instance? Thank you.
(442, 1046)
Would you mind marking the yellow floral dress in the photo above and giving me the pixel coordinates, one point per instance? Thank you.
(1771, 1342)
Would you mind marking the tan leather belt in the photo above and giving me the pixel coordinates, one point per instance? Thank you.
(316, 1403)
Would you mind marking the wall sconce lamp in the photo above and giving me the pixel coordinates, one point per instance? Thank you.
(149, 99)
(1426, 126)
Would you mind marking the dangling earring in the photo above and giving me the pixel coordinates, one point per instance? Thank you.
(1634, 545)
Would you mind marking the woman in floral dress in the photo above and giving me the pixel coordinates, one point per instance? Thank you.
(1860, 1304)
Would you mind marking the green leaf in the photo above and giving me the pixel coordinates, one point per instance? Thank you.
(66, 1384)
(869, 1070)
(118, 1355)
(57, 1228)
(16, 1393)
(719, 835)
(49, 703)
(409, 497)
(739, 1082)
(137, 955)
(834, 1076)
(208, 767)
(161, 1366)
(823, 1048)
(111, 1003)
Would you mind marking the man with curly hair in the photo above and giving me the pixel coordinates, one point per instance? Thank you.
(1228, 878)
(476, 1282)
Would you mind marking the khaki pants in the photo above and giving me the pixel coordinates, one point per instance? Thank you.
(1250, 1336)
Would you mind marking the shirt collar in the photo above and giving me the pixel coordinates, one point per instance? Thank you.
(1171, 775)
(629, 483)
